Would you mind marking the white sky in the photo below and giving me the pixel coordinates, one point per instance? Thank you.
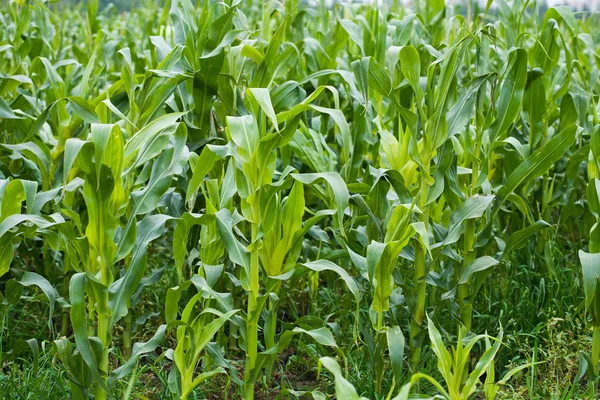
(593, 5)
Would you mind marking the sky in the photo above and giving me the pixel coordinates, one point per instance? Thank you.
(593, 5)
(578, 4)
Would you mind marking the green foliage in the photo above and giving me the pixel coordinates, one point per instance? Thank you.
(205, 194)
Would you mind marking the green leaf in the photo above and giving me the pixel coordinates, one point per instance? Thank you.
(444, 358)
(120, 291)
(321, 335)
(15, 192)
(410, 65)
(204, 164)
(181, 233)
(263, 98)
(590, 265)
(33, 279)
(147, 133)
(139, 349)
(72, 148)
(80, 329)
(343, 389)
(479, 264)
(511, 93)
(102, 224)
(244, 133)
(337, 185)
(354, 31)
(361, 72)
(325, 265)
(238, 253)
(480, 368)
(395, 340)
(519, 239)
(267, 67)
(462, 112)
(540, 161)
(473, 207)
(16, 219)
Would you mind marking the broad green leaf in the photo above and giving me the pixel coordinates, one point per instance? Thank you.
(72, 149)
(147, 133)
(263, 98)
(139, 349)
(337, 185)
(244, 133)
(238, 253)
(33, 279)
(540, 161)
(410, 65)
(17, 219)
(353, 31)
(321, 335)
(343, 388)
(479, 264)
(462, 112)
(80, 329)
(590, 265)
(120, 291)
(102, 224)
(519, 239)
(473, 207)
(480, 368)
(511, 93)
(395, 340)
(325, 265)
(444, 358)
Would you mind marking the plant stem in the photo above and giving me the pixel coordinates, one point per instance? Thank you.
(104, 333)
(464, 290)
(596, 348)
(270, 328)
(127, 336)
(314, 288)
(64, 328)
(3, 314)
(233, 328)
(419, 314)
(253, 312)
(465, 303)
(419, 278)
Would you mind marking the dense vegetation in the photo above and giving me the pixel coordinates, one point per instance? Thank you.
(102, 4)
(246, 199)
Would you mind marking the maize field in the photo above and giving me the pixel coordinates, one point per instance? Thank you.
(299, 199)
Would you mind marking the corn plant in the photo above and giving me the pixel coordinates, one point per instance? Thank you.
(194, 332)
(452, 365)
(281, 227)
(590, 262)
(102, 160)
